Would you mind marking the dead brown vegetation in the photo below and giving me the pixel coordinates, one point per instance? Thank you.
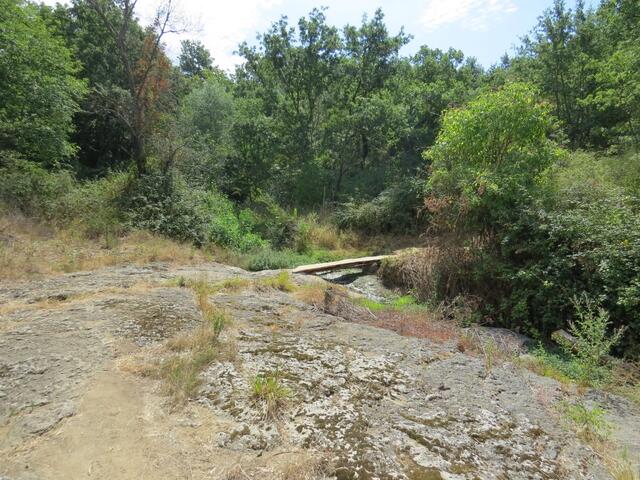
(432, 324)
(29, 248)
(433, 272)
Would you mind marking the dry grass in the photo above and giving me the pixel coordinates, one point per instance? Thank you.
(29, 248)
(433, 324)
(626, 380)
(194, 351)
(313, 293)
(189, 353)
(327, 236)
(428, 325)
(435, 271)
(281, 281)
(284, 465)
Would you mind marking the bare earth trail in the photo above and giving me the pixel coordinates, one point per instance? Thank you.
(367, 403)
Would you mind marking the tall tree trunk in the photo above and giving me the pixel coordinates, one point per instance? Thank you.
(339, 180)
(365, 151)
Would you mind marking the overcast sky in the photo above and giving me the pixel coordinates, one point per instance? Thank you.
(484, 29)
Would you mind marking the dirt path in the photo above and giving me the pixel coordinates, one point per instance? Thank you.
(366, 403)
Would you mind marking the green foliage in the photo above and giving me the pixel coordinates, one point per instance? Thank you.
(589, 421)
(593, 340)
(39, 92)
(228, 227)
(488, 157)
(167, 206)
(194, 58)
(102, 135)
(582, 236)
(585, 62)
(403, 303)
(160, 204)
(26, 186)
(274, 223)
(206, 113)
(92, 207)
(393, 210)
(217, 321)
(556, 365)
(269, 259)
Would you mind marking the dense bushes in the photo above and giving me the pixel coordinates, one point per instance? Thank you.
(583, 237)
(107, 207)
(553, 226)
(57, 197)
(396, 209)
(28, 187)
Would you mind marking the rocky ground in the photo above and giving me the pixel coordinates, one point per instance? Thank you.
(365, 403)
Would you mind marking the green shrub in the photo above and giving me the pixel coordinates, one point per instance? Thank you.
(26, 186)
(269, 259)
(394, 210)
(272, 222)
(590, 422)
(490, 156)
(593, 341)
(95, 206)
(160, 204)
(227, 228)
(167, 206)
(92, 206)
(580, 243)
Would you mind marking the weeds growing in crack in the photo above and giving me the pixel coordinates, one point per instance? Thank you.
(269, 393)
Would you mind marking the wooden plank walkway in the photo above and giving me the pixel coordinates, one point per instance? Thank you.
(340, 264)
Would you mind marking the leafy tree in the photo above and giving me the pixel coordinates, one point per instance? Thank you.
(365, 119)
(435, 81)
(292, 69)
(194, 58)
(205, 120)
(488, 157)
(584, 61)
(618, 93)
(39, 91)
(557, 58)
(103, 137)
(145, 66)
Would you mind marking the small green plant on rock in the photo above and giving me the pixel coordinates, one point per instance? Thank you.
(269, 392)
(590, 423)
(489, 351)
(592, 340)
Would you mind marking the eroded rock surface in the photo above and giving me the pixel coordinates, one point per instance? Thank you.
(371, 403)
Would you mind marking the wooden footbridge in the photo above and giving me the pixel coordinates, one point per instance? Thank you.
(341, 264)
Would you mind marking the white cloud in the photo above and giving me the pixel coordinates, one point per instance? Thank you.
(472, 14)
(221, 25)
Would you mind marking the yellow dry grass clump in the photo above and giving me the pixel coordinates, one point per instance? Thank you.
(29, 248)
